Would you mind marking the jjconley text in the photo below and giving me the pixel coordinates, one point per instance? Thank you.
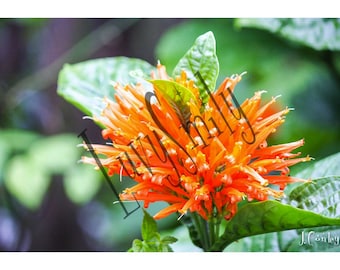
(310, 238)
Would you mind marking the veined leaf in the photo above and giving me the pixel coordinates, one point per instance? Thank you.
(86, 84)
(317, 33)
(201, 57)
(321, 196)
(322, 168)
(269, 216)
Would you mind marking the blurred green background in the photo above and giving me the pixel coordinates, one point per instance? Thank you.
(49, 202)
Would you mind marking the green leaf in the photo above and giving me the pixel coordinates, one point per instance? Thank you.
(149, 226)
(56, 153)
(178, 97)
(13, 141)
(317, 33)
(168, 240)
(152, 240)
(86, 84)
(201, 57)
(328, 166)
(26, 180)
(321, 196)
(272, 242)
(18, 140)
(270, 216)
(165, 243)
(81, 183)
(325, 167)
(137, 246)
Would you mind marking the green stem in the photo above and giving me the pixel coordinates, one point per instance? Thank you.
(212, 232)
(214, 224)
(218, 224)
(207, 231)
(200, 226)
(203, 233)
(207, 236)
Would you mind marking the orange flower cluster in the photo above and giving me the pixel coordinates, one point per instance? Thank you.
(197, 157)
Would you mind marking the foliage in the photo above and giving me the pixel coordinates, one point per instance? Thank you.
(152, 240)
(201, 57)
(36, 159)
(319, 34)
(86, 84)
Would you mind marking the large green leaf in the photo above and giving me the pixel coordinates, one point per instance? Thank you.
(273, 242)
(323, 239)
(269, 216)
(86, 84)
(321, 196)
(201, 57)
(317, 33)
(325, 167)
(329, 166)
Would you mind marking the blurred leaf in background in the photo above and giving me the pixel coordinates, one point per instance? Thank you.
(31, 160)
(317, 33)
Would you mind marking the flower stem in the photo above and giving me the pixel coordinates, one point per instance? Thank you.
(207, 230)
(201, 228)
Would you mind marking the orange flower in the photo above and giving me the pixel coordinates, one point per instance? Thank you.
(197, 157)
